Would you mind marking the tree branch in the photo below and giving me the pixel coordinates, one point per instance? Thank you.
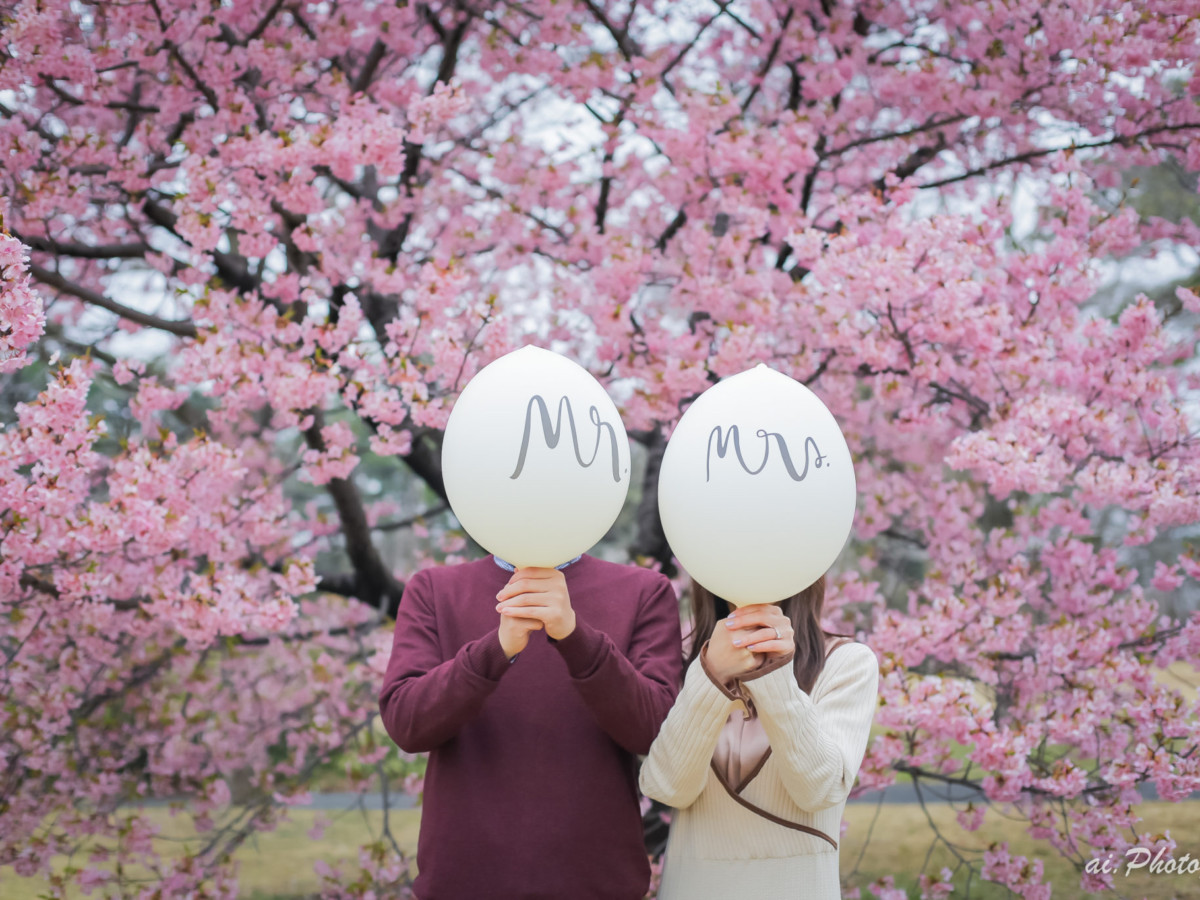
(810, 179)
(606, 181)
(650, 540)
(499, 195)
(201, 85)
(413, 519)
(770, 60)
(915, 161)
(264, 21)
(896, 135)
(367, 72)
(450, 52)
(183, 328)
(391, 241)
(374, 583)
(678, 222)
(724, 7)
(1122, 140)
(138, 676)
(84, 251)
(233, 270)
(425, 460)
(628, 47)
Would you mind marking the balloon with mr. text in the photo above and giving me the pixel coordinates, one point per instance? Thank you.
(535, 458)
(756, 490)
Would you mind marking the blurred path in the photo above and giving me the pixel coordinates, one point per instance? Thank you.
(899, 793)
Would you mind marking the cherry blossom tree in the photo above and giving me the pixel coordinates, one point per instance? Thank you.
(261, 245)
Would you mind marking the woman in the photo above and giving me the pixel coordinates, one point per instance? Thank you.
(760, 751)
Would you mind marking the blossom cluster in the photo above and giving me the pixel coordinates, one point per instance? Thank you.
(337, 213)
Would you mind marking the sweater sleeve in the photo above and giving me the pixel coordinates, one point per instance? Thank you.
(426, 699)
(629, 695)
(676, 769)
(819, 746)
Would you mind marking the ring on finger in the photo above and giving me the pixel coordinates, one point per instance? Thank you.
(776, 630)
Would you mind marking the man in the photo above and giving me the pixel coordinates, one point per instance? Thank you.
(533, 691)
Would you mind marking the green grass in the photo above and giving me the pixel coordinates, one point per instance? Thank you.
(903, 835)
(272, 865)
(278, 865)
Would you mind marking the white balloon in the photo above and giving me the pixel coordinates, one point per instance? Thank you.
(756, 490)
(535, 458)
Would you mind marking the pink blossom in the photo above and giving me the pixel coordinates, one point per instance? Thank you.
(274, 241)
(1166, 578)
(22, 320)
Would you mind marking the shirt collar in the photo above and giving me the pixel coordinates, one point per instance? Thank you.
(509, 567)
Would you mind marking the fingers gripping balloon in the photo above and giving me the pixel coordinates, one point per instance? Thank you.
(535, 458)
(756, 489)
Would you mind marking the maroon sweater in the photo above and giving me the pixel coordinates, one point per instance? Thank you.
(531, 789)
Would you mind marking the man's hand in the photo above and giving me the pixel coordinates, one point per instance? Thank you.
(535, 598)
(514, 634)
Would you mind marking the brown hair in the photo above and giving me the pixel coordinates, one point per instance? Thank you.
(804, 611)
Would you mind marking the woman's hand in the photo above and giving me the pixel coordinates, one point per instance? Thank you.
(762, 628)
(726, 661)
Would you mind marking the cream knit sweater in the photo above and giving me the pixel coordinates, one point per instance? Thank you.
(719, 848)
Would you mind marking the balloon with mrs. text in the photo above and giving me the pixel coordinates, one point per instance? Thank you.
(756, 490)
(535, 458)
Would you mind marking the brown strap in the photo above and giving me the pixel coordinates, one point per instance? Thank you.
(770, 817)
(753, 772)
